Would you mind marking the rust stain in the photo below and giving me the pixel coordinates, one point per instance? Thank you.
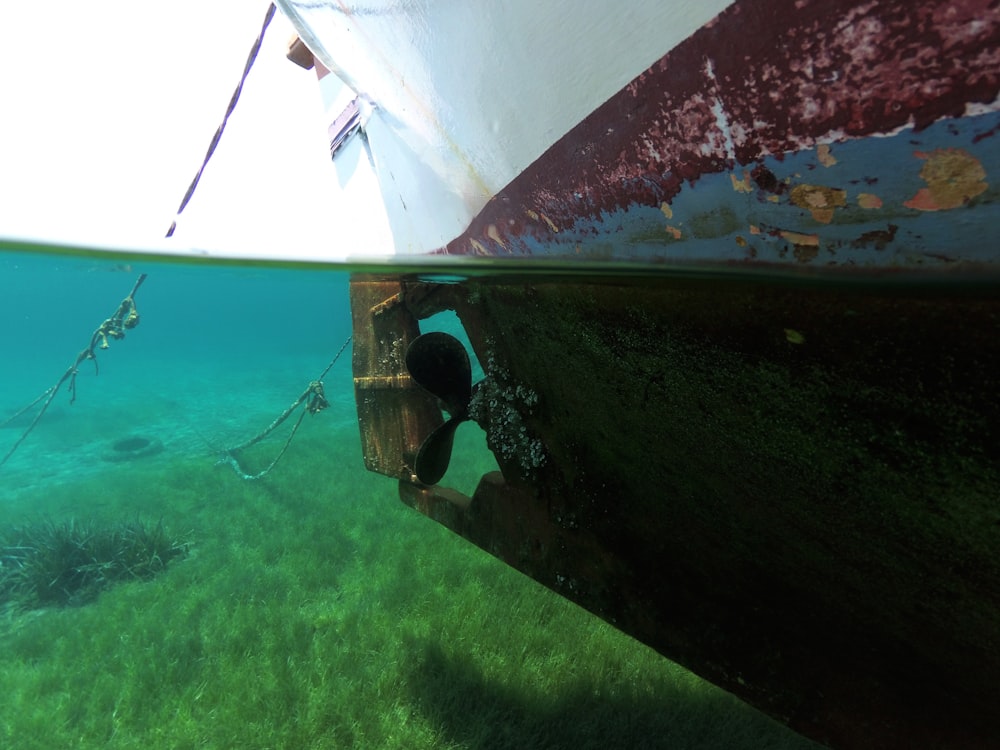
(953, 177)
(741, 240)
(869, 200)
(674, 232)
(741, 185)
(819, 200)
(878, 238)
(767, 181)
(824, 156)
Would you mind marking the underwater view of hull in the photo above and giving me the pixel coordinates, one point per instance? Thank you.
(790, 488)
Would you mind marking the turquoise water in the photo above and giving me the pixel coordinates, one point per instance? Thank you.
(311, 609)
(216, 347)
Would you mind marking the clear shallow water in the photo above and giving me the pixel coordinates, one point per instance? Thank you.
(215, 348)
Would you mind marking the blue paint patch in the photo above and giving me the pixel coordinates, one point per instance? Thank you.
(858, 216)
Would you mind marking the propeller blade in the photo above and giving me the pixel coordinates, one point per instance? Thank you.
(435, 452)
(440, 364)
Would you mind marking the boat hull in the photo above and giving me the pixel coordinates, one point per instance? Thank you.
(783, 132)
(777, 466)
(789, 132)
(788, 488)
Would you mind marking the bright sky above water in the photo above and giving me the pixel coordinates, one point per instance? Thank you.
(106, 112)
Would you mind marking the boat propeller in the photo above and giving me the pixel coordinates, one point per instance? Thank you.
(439, 363)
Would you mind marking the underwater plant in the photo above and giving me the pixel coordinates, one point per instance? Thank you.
(51, 563)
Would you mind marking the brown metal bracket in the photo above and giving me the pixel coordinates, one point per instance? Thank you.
(394, 413)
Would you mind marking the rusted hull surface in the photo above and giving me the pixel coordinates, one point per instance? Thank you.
(784, 131)
(790, 490)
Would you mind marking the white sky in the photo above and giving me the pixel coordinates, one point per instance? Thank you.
(107, 109)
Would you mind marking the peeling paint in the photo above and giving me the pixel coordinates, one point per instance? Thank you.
(819, 200)
(548, 221)
(667, 210)
(869, 200)
(741, 185)
(718, 110)
(493, 233)
(478, 248)
(819, 79)
(824, 156)
(953, 177)
(673, 232)
(805, 247)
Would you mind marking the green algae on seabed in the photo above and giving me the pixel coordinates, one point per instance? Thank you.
(58, 563)
(316, 611)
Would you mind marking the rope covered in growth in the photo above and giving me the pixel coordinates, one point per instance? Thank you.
(125, 318)
(315, 401)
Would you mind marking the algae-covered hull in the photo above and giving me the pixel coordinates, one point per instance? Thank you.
(790, 488)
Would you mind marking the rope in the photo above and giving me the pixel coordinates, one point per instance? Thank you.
(229, 110)
(315, 401)
(125, 318)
